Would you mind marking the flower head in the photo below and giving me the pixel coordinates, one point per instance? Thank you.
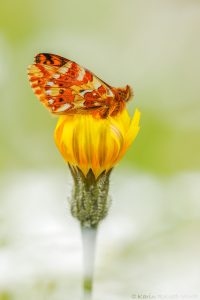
(94, 144)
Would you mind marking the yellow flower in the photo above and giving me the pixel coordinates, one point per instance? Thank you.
(97, 144)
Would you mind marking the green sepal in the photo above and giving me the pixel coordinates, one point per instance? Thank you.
(90, 200)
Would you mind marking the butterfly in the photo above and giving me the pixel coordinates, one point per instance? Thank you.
(64, 87)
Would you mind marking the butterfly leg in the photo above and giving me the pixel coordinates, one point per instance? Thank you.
(105, 113)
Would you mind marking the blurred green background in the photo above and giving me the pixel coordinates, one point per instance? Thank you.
(152, 45)
(155, 47)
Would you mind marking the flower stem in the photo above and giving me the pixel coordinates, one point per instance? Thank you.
(89, 241)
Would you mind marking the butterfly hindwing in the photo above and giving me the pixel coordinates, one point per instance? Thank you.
(78, 87)
(38, 76)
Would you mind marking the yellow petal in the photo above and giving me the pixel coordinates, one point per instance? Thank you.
(98, 144)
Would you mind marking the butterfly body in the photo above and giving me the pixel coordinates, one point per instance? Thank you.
(65, 87)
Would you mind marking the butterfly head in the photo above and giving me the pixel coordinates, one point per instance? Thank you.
(125, 93)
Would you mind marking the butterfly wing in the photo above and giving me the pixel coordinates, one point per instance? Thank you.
(39, 75)
(50, 59)
(65, 87)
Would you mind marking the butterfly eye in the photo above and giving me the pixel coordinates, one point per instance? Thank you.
(61, 91)
(61, 100)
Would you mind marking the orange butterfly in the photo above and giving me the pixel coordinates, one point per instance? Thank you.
(64, 87)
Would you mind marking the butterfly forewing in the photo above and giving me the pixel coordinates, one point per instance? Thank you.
(50, 59)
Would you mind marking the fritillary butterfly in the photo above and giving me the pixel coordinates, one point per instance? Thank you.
(65, 87)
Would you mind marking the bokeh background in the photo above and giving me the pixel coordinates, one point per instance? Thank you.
(149, 244)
